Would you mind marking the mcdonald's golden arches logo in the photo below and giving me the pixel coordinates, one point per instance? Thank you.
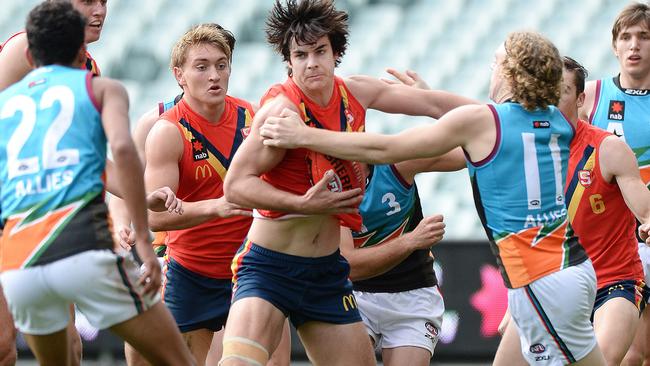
(349, 302)
(205, 170)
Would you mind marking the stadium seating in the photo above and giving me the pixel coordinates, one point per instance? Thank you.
(449, 42)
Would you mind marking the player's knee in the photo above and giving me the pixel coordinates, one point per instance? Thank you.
(240, 351)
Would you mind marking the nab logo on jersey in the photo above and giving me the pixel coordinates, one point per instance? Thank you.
(199, 151)
(541, 124)
(616, 110)
(584, 176)
(36, 83)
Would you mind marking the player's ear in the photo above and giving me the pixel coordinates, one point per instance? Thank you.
(581, 100)
(178, 74)
(29, 57)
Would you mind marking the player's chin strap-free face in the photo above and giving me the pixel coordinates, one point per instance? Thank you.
(244, 349)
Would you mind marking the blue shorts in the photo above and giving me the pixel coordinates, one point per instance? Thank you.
(634, 291)
(195, 301)
(303, 288)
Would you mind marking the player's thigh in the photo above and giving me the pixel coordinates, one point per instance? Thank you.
(282, 354)
(350, 342)
(509, 351)
(154, 334)
(50, 349)
(409, 355)
(615, 323)
(256, 320)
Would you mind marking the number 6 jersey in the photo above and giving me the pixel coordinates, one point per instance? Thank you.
(52, 157)
(598, 213)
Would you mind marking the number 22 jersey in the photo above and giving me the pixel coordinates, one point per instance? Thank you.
(52, 158)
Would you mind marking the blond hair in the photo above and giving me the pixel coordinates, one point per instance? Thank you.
(208, 33)
(632, 14)
(533, 70)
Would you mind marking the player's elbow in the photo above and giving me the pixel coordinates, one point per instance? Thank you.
(232, 190)
(359, 274)
(123, 151)
(358, 270)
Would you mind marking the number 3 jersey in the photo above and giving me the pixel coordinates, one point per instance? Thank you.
(52, 158)
(598, 213)
(390, 208)
(519, 194)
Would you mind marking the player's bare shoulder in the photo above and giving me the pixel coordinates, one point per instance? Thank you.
(272, 108)
(364, 88)
(103, 88)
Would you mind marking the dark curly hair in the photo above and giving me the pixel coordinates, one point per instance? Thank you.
(306, 21)
(55, 33)
(533, 70)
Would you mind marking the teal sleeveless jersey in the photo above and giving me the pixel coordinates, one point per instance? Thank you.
(519, 194)
(52, 152)
(390, 208)
(625, 113)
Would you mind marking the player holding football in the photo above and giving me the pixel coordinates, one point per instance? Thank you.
(290, 265)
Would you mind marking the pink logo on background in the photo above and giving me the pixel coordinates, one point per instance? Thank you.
(491, 300)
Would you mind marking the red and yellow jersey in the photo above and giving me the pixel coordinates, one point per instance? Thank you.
(208, 150)
(90, 65)
(342, 113)
(598, 213)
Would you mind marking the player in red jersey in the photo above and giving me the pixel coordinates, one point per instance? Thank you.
(620, 104)
(604, 193)
(14, 64)
(190, 149)
(293, 241)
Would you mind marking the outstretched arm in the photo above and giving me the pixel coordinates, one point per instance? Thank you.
(115, 105)
(455, 129)
(398, 98)
(375, 260)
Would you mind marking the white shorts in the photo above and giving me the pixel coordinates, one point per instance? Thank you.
(400, 319)
(101, 283)
(644, 253)
(552, 316)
